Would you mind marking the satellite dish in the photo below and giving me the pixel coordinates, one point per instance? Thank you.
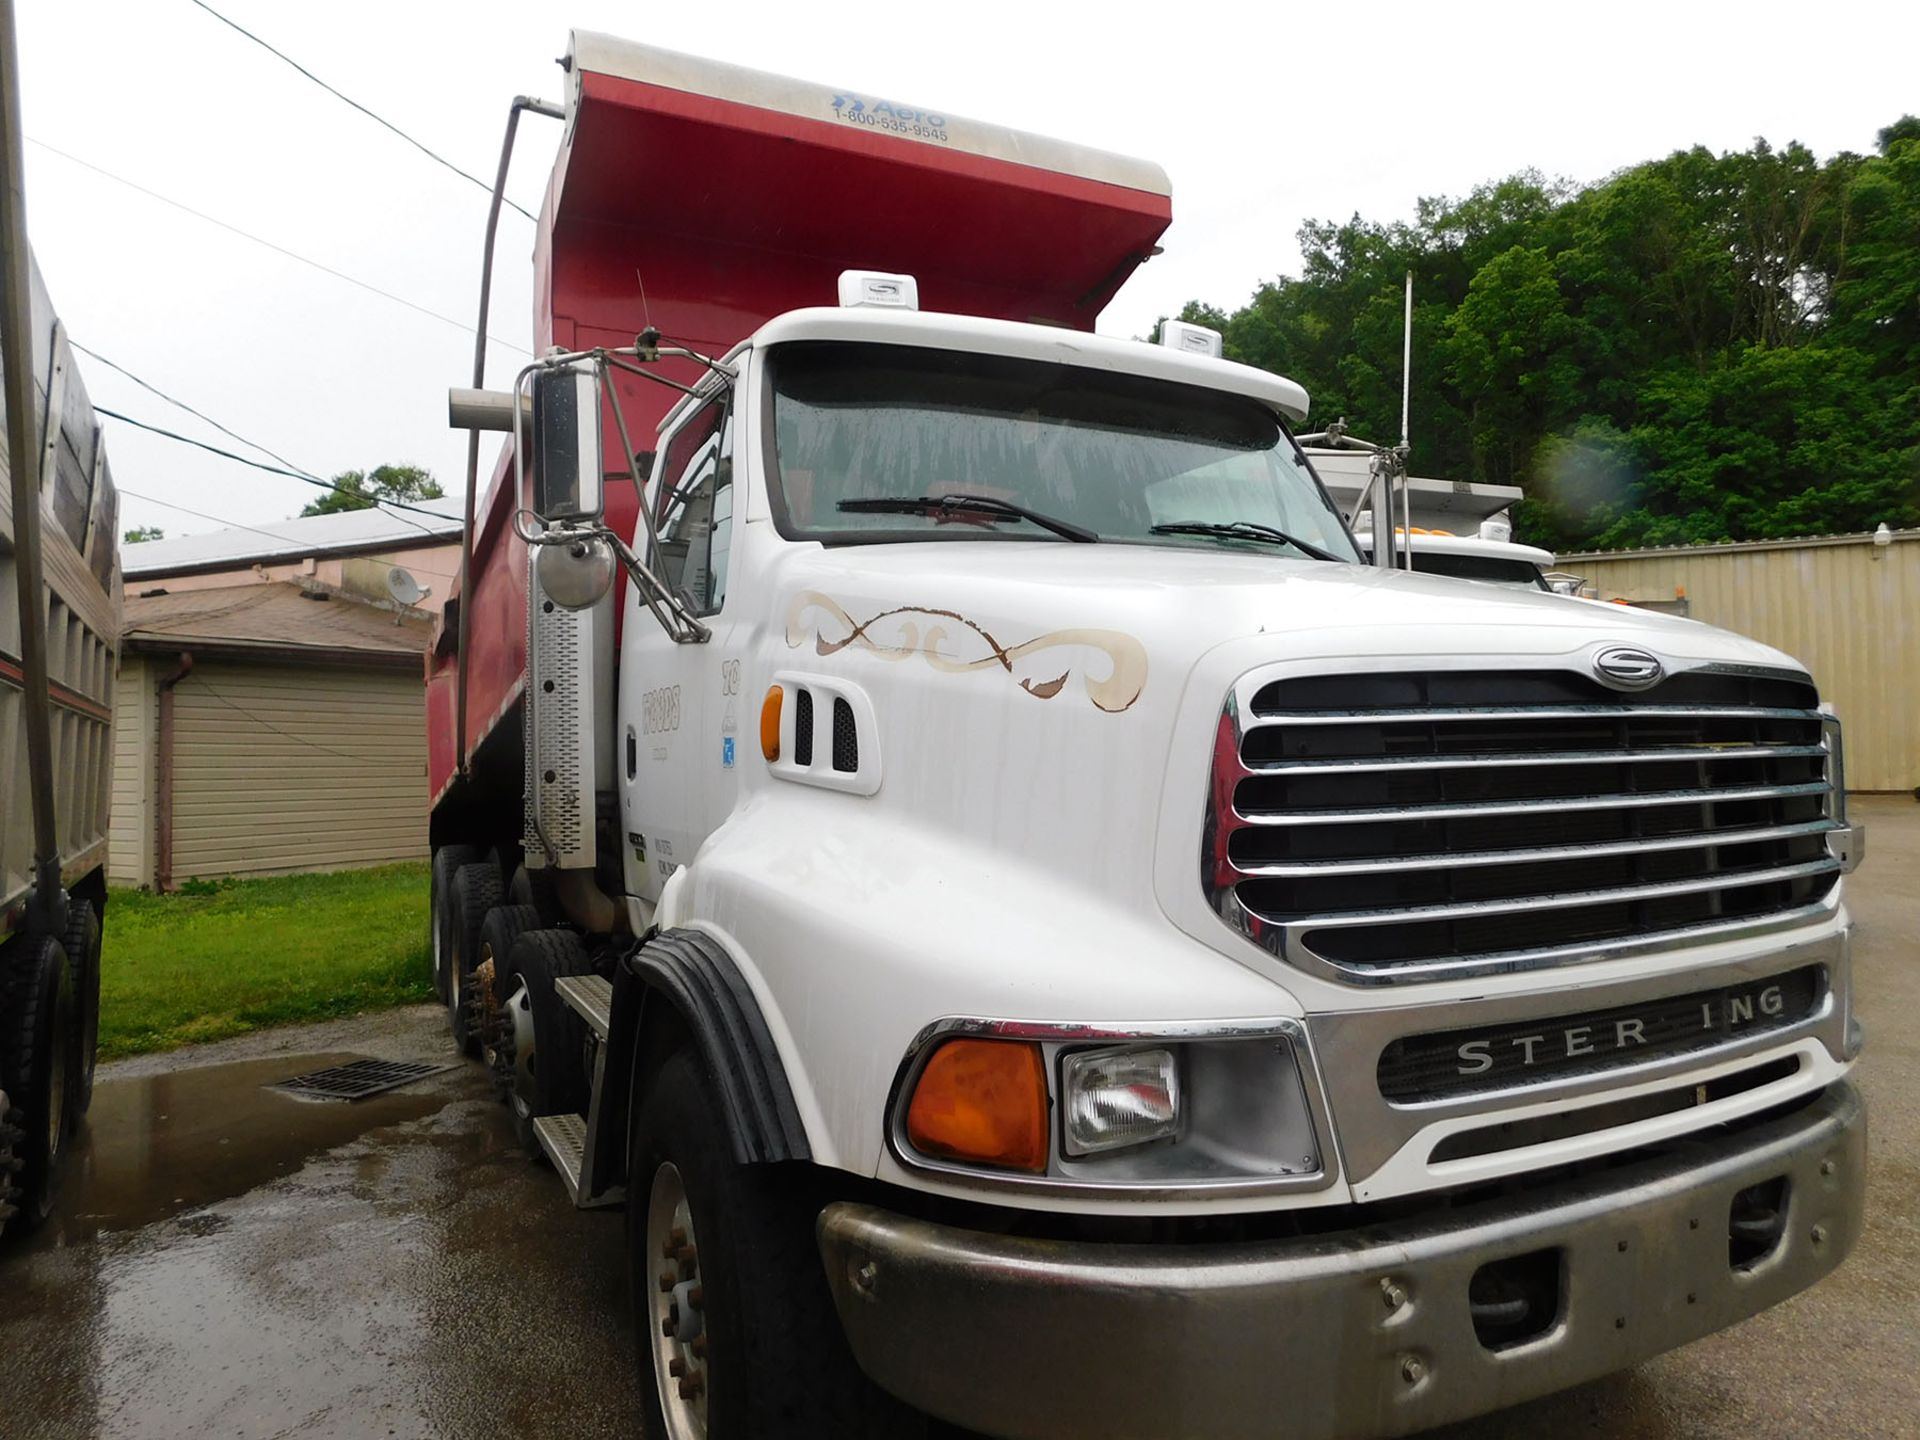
(404, 589)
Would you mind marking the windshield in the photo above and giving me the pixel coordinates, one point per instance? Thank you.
(865, 436)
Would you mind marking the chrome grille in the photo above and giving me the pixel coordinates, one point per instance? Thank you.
(1414, 825)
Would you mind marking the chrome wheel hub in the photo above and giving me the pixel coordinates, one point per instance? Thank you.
(677, 1308)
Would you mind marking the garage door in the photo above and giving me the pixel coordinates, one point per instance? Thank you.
(282, 768)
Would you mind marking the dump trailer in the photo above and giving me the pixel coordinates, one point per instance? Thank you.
(52, 904)
(934, 816)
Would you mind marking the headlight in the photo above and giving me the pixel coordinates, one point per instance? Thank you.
(1117, 1098)
(1182, 1109)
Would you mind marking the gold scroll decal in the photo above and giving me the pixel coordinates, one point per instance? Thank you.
(910, 630)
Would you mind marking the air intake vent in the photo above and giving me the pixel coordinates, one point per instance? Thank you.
(846, 738)
(1406, 826)
(803, 728)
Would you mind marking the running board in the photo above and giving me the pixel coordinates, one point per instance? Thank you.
(592, 997)
(568, 1139)
(564, 1138)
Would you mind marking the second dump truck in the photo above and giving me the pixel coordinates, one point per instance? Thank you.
(933, 815)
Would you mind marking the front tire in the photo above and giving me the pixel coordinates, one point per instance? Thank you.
(737, 1332)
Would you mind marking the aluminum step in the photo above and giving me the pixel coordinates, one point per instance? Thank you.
(591, 996)
(564, 1138)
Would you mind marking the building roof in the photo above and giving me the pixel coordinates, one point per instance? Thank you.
(277, 620)
(348, 533)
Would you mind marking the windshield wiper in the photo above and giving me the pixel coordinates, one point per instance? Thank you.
(959, 503)
(1245, 530)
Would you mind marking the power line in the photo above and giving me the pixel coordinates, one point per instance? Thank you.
(290, 474)
(377, 119)
(292, 470)
(265, 534)
(277, 249)
(179, 404)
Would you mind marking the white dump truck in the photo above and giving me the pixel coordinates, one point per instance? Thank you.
(934, 815)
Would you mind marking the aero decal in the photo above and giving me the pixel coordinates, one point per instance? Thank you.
(1127, 657)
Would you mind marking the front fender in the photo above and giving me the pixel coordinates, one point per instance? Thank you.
(855, 928)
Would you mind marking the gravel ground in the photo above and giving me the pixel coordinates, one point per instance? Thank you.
(230, 1262)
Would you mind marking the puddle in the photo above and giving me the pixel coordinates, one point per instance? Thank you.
(160, 1145)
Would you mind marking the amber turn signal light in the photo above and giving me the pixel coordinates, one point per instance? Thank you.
(983, 1101)
(770, 724)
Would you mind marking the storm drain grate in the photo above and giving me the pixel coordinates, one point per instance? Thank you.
(359, 1079)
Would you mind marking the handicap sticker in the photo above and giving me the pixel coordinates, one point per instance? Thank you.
(726, 752)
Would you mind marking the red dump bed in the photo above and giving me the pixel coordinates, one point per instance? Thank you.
(704, 199)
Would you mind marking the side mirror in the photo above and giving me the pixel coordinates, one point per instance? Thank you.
(566, 444)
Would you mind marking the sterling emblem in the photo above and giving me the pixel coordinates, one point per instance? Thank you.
(1625, 668)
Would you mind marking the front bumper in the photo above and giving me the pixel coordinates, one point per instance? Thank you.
(1020, 1337)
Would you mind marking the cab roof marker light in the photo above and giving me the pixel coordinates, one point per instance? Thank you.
(877, 289)
(1188, 339)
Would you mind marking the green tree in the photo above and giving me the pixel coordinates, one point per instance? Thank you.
(1700, 347)
(363, 489)
(140, 533)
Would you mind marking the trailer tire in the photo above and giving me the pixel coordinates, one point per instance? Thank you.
(475, 891)
(83, 952)
(35, 1068)
(773, 1359)
(552, 1079)
(446, 860)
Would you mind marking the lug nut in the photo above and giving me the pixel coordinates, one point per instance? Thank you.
(667, 1281)
(696, 1299)
(686, 1255)
(691, 1387)
(1412, 1370)
(667, 1326)
(1394, 1295)
(699, 1347)
(676, 1367)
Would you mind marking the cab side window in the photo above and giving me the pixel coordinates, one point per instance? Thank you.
(694, 509)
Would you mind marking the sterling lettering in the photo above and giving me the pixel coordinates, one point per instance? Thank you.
(1611, 1036)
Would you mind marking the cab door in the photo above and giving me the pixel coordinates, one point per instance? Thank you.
(678, 724)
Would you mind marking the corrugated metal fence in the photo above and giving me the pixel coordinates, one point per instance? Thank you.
(1846, 608)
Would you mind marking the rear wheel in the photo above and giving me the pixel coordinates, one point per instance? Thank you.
(36, 1068)
(535, 888)
(446, 860)
(488, 1018)
(475, 891)
(83, 953)
(738, 1335)
(546, 1059)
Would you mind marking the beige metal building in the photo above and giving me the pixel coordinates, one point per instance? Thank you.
(1845, 606)
(266, 727)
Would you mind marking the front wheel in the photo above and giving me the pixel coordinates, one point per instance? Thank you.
(738, 1335)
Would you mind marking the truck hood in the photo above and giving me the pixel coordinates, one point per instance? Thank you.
(1043, 715)
(1176, 604)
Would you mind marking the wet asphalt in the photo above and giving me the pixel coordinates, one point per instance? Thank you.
(230, 1261)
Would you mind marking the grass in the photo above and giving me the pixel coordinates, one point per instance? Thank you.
(230, 956)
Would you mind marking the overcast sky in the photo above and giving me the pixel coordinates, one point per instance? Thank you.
(1264, 115)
